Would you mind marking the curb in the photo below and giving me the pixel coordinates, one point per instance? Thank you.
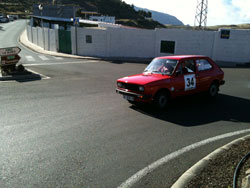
(200, 165)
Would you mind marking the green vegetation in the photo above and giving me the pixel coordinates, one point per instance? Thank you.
(116, 8)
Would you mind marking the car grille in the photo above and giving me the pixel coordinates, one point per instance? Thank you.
(132, 87)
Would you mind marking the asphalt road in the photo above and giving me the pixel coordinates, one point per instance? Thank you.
(73, 130)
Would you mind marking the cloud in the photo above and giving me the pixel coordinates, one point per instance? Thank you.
(228, 12)
(219, 11)
(243, 6)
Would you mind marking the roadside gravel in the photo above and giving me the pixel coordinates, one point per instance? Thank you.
(220, 172)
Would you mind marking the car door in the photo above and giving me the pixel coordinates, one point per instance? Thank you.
(204, 74)
(185, 78)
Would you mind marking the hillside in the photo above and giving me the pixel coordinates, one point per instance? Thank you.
(162, 18)
(124, 13)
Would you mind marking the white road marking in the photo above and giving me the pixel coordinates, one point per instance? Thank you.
(59, 63)
(57, 58)
(42, 75)
(30, 58)
(140, 174)
(44, 58)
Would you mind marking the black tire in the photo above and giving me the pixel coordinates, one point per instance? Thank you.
(213, 90)
(161, 100)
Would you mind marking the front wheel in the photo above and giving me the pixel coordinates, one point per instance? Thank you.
(161, 100)
(213, 90)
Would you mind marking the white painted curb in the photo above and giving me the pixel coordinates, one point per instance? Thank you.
(200, 165)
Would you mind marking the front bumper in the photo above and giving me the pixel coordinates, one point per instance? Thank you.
(135, 95)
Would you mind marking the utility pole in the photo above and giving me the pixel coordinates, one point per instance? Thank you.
(201, 14)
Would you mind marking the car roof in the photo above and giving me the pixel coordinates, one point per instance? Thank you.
(179, 57)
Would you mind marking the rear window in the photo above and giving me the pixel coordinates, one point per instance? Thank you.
(203, 64)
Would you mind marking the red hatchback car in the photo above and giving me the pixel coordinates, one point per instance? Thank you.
(172, 76)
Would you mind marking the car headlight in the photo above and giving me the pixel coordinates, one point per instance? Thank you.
(119, 84)
(141, 88)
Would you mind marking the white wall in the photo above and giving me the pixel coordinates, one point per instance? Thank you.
(44, 37)
(47, 38)
(35, 35)
(142, 43)
(234, 49)
(187, 42)
(40, 40)
(98, 47)
(130, 42)
(53, 40)
(29, 33)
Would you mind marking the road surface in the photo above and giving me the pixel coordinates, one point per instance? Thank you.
(73, 130)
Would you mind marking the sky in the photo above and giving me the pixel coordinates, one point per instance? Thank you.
(220, 12)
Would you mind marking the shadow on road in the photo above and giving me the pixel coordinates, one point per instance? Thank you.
(26, 76)
(198, 110)
(1, 28)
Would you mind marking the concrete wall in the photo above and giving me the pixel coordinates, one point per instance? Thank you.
(130, 43)
(111, 42)
(35, 35)
(43, 37)
(234, 49)
(47, 38)
(98, 47)
(29, 33)
(186, 41)
(40, 40)
(142, 43)
(53, 40)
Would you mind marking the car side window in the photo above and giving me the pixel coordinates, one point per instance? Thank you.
(185, 67)
(190, 65)
(203, 64)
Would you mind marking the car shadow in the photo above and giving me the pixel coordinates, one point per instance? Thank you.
(199, 110)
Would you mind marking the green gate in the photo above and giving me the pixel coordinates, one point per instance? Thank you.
(64, 41)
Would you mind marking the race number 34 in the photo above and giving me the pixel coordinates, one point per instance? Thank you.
(190, 82)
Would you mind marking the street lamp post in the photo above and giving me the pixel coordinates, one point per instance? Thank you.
(40, 7)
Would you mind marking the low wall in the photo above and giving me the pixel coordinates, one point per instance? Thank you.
(43, 37)
(142, 43)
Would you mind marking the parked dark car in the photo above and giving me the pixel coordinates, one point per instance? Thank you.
(4, 19)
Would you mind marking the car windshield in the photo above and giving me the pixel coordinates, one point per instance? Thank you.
(162, 66)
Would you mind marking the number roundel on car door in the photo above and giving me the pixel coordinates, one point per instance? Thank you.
(190, 82)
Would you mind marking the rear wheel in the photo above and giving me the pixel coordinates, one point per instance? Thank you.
(213, 90)
(161, 100)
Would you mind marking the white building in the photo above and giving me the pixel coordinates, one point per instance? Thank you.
(108, 19)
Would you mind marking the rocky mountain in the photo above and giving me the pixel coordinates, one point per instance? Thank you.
(162, 18)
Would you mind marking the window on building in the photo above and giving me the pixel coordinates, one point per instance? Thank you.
(203, 64)
(225, 34)
(88, 39)
(167, 47)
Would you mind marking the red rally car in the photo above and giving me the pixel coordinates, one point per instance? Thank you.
(172, 76)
